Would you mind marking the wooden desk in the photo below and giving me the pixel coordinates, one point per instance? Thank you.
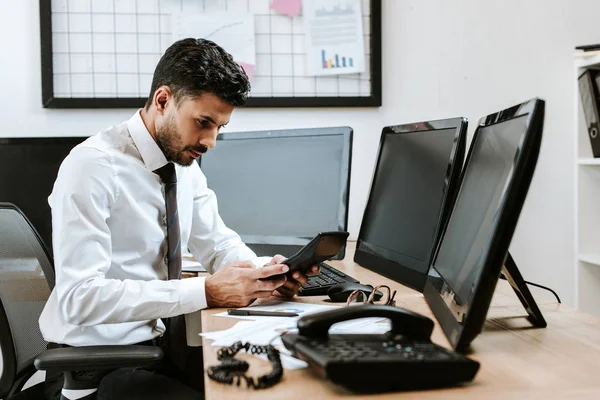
(561, 361)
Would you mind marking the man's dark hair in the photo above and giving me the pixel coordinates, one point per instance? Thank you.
(192, 67)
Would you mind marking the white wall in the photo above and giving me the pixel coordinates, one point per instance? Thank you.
(440, 59)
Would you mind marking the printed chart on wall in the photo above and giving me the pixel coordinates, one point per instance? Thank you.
(334, 37)
(297, 53)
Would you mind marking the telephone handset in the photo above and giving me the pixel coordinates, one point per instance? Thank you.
(322, 247)
(404, 358)
(404, 322)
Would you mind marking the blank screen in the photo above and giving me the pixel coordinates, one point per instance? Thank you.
(28, 169)
(280, 187)
(485, 179)
(407, 196)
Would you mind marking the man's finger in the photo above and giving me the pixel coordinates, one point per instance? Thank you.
(277, 259)
(315, 270)
(271, 284)
(243, 264)
(287, 292)
(292, 285)
(270, 270)
(264, 294)
(299, 277)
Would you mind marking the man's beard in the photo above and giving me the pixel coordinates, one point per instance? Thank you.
(171, 145)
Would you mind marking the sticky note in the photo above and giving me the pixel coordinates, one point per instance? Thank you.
(290, 8)
(249, 69)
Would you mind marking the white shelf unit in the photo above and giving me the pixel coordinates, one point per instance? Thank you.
(589, 161)
(587, 203)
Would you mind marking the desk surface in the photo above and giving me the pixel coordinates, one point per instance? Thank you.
(561, 361)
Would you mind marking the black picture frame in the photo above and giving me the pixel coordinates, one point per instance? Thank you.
(50, 101)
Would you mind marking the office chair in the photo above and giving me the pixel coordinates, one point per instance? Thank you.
(26, 280)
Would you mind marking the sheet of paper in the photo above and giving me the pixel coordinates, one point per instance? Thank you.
(268, 330)
(232, 31)
(362, 326)
(285, 306)
(334, 37)
(291, 8)
(261, 333)
(189, 263)
(256, 332)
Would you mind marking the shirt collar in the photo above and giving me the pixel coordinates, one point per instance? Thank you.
(152, 155)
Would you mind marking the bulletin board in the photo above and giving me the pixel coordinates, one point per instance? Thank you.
(102, 54)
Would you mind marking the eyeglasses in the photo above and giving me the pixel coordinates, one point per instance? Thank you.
(359, 297)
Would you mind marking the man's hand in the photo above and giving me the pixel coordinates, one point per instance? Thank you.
(237, 284)
(292, 285)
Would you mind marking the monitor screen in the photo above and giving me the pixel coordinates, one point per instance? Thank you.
(470, 225)
(28, 169)
(476, 239)
(408, 191)
(281, 187)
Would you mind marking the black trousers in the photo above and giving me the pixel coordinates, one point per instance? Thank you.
(162, 381)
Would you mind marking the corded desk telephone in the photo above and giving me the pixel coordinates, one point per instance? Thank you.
(404, 358)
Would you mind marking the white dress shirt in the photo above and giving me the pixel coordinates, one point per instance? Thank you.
(109, 240)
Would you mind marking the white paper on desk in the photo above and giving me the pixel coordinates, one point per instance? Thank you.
(260, 333)
(334, 37)
(232, 31)
(189, 264)
(269, 331)
(285, 306)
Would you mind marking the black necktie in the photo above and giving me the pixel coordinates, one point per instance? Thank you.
(169, 178)
(176, 342)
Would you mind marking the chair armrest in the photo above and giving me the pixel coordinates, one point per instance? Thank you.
(97, 358)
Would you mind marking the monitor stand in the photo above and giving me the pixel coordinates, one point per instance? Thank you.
(511, 273)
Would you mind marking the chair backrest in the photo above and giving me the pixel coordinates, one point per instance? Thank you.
(26, 279)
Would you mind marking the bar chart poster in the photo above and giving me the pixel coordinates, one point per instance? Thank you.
(334, 37)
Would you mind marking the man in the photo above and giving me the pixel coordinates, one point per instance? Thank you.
(126, 201)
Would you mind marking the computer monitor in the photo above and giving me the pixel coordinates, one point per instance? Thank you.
(494, 184)
(277, 189)
(28, 169)
(413, 186)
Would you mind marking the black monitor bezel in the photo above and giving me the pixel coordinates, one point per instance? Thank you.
(41, 141)
(393, 270)
(503, 227)
(347, 133)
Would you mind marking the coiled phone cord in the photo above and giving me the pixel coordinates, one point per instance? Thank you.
(232, 370)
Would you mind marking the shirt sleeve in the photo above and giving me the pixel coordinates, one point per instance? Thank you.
(211, 242)
(84, 194)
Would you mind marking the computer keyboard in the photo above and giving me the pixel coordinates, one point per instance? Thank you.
(318, 285)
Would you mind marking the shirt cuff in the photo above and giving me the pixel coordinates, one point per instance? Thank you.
(260, 262)
(192, 294)
(239, 252)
